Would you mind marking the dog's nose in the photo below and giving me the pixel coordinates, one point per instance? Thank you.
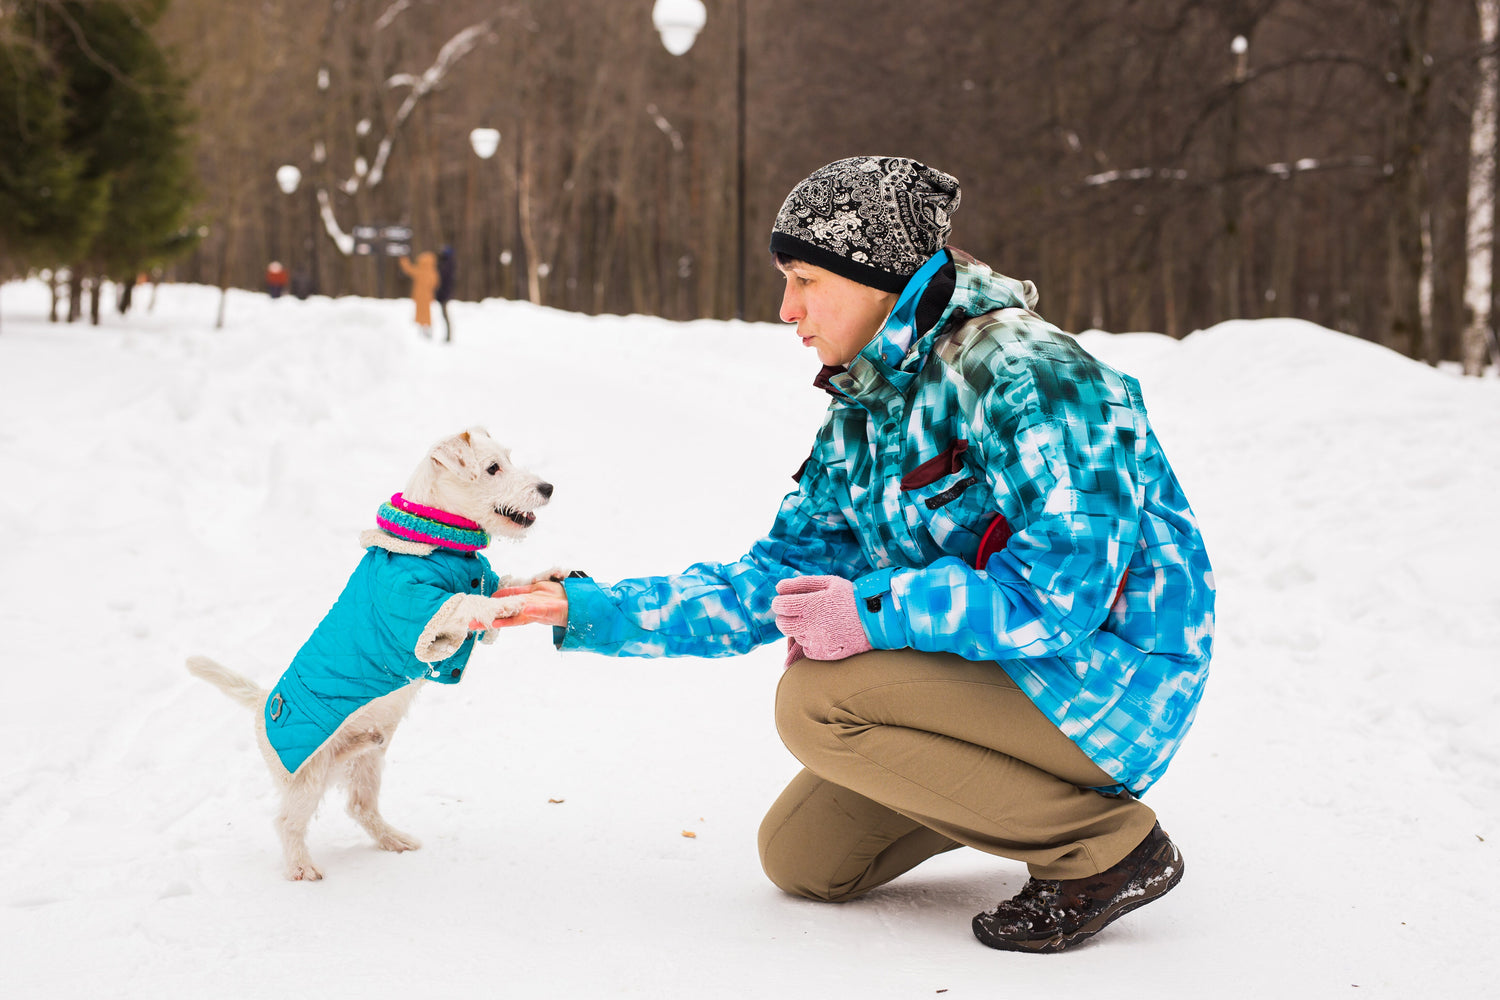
(545, 489)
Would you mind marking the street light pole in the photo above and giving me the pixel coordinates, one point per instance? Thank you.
(303, 282)
(678, 22)
(484, 141)
(287, 178)
(739, 169)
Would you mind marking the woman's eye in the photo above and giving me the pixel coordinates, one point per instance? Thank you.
(494, 468)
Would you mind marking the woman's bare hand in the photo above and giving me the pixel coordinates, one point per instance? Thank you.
(546, 604)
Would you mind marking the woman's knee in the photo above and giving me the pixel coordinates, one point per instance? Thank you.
(791, 858)
(808, 836)
(785, 864)
(804, 700)
(791, 697)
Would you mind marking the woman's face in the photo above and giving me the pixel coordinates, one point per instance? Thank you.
(835, 316)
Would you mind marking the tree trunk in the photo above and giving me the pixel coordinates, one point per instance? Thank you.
(1404, 332)
(75, 294)
(1284, 252)
(1480, 223)
(1428, 348)
(1171, 325)
(528, 226)
(96, 290)
(1230, 256)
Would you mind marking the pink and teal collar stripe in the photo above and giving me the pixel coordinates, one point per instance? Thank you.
(430, 526)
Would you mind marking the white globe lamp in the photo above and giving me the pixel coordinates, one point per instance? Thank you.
(678, 22)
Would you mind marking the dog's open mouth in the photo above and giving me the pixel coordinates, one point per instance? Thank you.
(523, 518)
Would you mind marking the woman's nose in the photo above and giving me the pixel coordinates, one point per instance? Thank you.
(791, 306)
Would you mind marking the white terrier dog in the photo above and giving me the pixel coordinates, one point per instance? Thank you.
(409, 613)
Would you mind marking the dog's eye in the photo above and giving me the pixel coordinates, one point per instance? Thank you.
(494, 468)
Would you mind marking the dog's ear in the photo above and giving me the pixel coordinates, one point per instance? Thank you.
(456, 454)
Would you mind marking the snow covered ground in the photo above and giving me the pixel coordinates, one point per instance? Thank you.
(169, 488)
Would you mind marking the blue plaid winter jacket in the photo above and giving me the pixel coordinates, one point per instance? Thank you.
(1100, 603)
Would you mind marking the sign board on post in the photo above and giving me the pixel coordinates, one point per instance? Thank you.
(364, 239)
(390, 241)
(397, 240)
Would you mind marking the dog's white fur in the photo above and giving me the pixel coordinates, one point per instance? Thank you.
(468, 474)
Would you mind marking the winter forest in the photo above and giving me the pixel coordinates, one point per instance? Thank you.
(1151, 164)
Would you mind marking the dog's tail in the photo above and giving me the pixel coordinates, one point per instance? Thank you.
(241, 689)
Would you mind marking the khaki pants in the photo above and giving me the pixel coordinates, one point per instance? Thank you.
(910, 754)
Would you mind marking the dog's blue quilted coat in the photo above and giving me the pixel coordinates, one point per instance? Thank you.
(365, 647)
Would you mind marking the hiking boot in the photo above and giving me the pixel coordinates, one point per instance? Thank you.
(1055, 914)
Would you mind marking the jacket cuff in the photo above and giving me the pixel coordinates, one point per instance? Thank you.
(445, 631)
(595, 622)
(878, 611)
(448, 629)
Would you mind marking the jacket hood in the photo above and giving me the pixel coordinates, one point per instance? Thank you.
(964, 288)
(979, 288)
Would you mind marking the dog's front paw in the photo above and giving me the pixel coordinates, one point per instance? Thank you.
(556, 574)
(506, 607)
(493, 611)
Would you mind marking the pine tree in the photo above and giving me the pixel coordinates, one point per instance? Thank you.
(126, 121)
(48, 211)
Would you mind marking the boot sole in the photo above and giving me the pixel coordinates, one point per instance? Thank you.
(1062, 942)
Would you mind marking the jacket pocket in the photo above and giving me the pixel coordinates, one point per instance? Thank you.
(947, 499)
(949, 461)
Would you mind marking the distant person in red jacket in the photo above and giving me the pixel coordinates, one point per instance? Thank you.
(276, 279)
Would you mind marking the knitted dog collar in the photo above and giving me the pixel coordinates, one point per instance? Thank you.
(430, 526)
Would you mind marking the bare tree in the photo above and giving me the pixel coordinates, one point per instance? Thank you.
(1479, 332)
(1121, 151)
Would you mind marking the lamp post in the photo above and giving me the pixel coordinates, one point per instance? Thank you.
(289, 178)
(485, 142)
(678, 22)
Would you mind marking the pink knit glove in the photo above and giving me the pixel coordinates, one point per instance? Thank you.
(819, 618)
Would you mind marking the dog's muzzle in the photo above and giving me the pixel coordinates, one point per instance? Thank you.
(523, 518)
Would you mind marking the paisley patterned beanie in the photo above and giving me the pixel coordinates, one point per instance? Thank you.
(872, 219)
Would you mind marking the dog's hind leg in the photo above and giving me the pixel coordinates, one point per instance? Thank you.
(364, 772)
(357, 744)
(299, 800)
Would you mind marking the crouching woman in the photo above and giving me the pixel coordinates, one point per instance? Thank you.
(997, 606)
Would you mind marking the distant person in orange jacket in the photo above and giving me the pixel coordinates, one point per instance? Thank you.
(424, 282)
